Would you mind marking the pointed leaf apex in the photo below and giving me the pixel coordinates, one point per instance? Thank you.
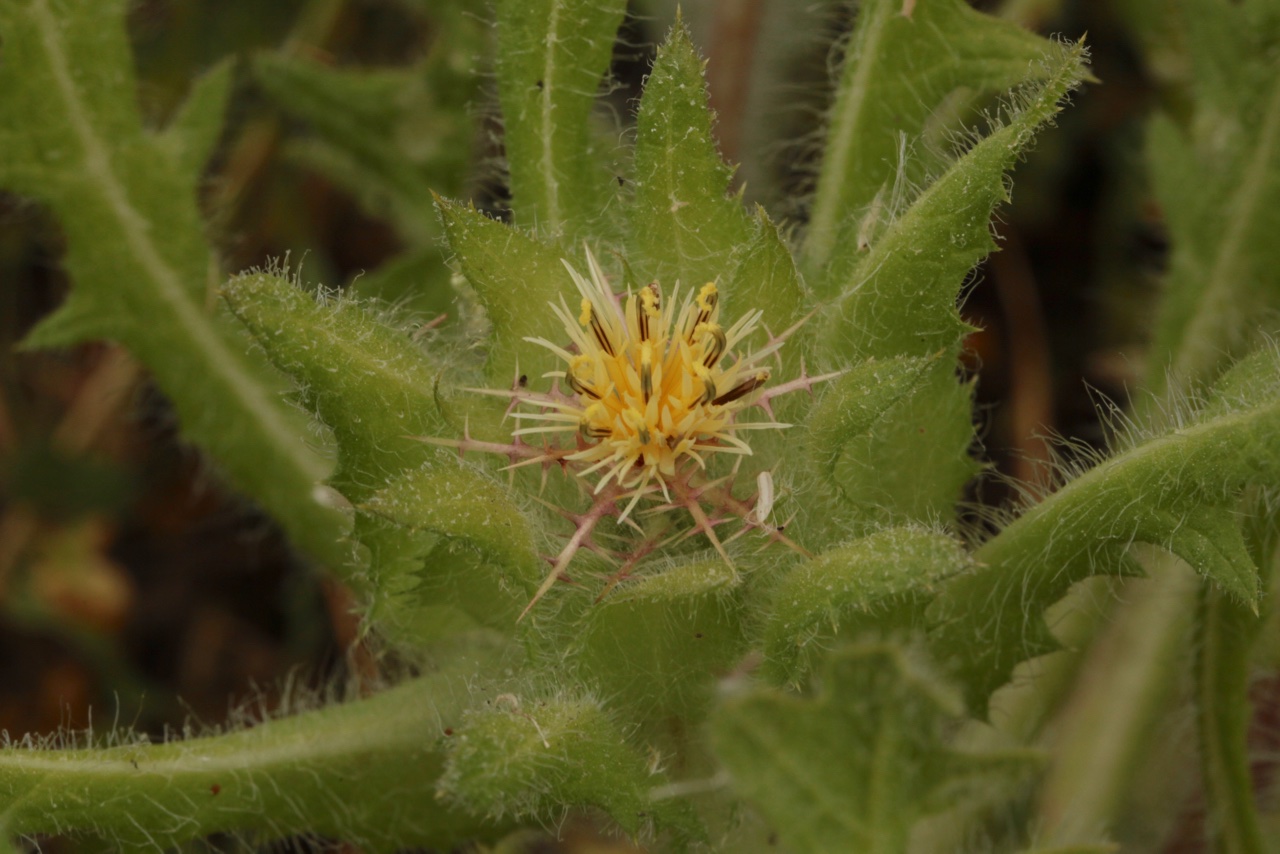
(78, 319)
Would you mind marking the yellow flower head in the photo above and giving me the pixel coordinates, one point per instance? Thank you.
(656, 384)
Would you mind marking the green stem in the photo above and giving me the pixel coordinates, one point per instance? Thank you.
(363, 771)
(1228, 633)
(1222, 681)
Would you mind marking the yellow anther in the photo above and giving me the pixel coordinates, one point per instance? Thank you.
(652, 396)
(581, 371)
(651, 299)
(595, 422)
(707, 297)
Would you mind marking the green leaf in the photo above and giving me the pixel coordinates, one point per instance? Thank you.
(476, 513)
(1225, 41)
(463, 504)
(1218, 183)
(368, 381)
(915, 462)
(1226, 633)
(891, 437)
(346, 771)
(71, 137)
(853, 766)
(192, 134)
(766, 278)
(529, 758)
(552, 55)
(901, 62)
(683, 225)
(1250, 382)
(881, 582)
(409, 608)
(656, 644)
(899, 298)
(516, 278)
(851, 405)
(391, 137)
(1176, 491)
(416, 281)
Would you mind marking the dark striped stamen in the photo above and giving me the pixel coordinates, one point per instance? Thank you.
(582, 388)
(588, 318)
(708, 385)
(742, 389)
(646, 371)
(718, 343)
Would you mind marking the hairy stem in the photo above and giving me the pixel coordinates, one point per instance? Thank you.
(346, 770)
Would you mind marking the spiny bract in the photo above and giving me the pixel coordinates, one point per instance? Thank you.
(654, 387)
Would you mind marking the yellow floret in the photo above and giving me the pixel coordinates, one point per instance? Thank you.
(653, 388)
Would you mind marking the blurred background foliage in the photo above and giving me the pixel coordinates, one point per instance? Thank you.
(133, 584)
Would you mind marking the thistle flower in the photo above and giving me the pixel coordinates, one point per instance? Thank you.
(656, 388)
(649, 390)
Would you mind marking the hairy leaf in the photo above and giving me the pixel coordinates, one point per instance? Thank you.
(364, 378)
(683, 225)
(1176, 490)
(892, 436)
(409, 607)
(71, 137)
(1218, 182)
(655, 644)
(552, 55)
(516, 277)
(899, 298)
(766, 278)
(478, 514)
(528, 758)
(887, 714)
(881, 582)
(901, 62)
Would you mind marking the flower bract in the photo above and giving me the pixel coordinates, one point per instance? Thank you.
(649, 389)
